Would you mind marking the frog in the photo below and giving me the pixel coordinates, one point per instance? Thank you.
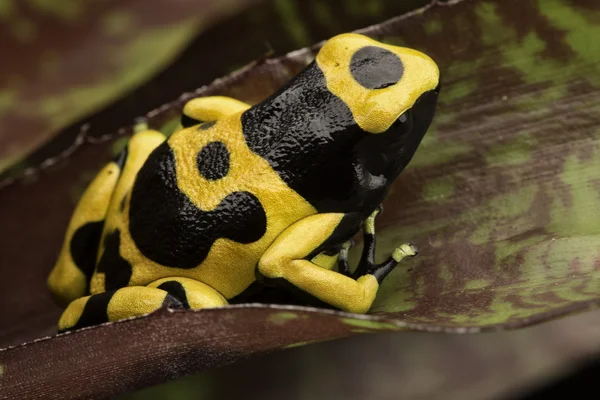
(241, 197)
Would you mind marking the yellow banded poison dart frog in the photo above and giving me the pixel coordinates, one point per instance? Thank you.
(270, 193)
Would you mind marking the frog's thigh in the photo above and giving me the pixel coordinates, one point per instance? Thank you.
(286, 258)
(211, 108)
(76, 261)
(190, 292)
(114, 305)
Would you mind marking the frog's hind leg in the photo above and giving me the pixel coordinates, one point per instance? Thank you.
(131, 159)
(115, 305)
(190, 292)
(211, 108)
(132, 301)
(69, 278)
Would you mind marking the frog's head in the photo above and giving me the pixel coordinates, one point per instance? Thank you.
(390, 90)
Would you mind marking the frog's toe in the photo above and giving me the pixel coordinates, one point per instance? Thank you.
(405, 250)
(115, 305)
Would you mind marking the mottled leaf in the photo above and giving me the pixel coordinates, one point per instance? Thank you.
(63, 59)
(501, 199)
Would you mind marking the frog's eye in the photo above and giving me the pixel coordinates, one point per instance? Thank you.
(402, 119)
(376, 68)
(403, 123)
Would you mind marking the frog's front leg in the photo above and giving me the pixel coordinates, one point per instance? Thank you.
(211, 108)
(288, 258)
(367, 260)
(131, 301)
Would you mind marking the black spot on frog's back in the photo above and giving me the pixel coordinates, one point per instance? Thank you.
(171, 230)
(213, 161)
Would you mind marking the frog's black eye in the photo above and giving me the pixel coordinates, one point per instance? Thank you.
(403, 123)
(376, 68)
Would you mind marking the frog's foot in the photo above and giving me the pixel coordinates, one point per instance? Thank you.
(367, 262)
(380, 271)
(132, 301)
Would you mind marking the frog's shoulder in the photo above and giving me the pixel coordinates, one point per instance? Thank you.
(306, 133)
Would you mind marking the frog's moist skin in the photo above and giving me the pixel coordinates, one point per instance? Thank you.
(273, 191)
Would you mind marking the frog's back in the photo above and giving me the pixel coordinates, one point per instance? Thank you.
(95, 218)
(202, 205)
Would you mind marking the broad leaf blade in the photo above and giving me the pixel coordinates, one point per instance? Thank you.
(500, 198)
(36, 203)
(411, 366)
